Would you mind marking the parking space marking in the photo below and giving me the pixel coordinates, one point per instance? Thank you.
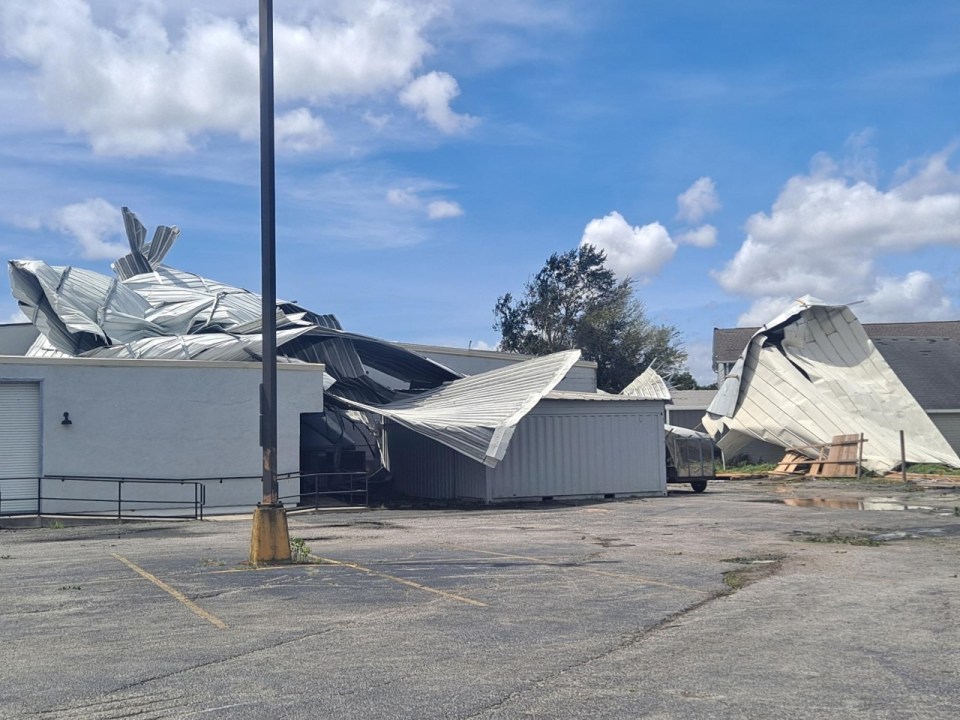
(552, 563)
(402, 581)
(176, 594)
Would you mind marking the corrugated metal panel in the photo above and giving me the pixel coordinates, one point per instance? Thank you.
(426, 469)
(19, 446)
(648, 384)
(571, 448)
(812, 374)
(477, 415)
(948, 423)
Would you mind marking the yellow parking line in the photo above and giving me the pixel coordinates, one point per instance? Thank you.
(177, 595)
(633, 578)
(402, 581)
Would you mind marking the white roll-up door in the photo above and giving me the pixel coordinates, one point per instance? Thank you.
(19, 447)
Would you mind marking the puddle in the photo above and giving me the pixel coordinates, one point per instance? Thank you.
(876, 504)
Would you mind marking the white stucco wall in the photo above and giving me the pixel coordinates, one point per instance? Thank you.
(165, 419)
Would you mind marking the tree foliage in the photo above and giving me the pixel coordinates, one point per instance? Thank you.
(576, 302)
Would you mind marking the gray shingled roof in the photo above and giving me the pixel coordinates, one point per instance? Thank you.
(728, 343)
(929, 367)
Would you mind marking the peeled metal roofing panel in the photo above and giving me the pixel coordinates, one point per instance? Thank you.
(811, 374)
(648, 384)
(477, 415)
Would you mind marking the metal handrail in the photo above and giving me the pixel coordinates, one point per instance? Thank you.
(352, 491)
(199, 491)
(198, 502)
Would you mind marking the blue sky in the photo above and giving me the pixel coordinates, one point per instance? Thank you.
(432, 154)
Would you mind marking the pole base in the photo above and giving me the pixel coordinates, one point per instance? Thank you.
(269, 538)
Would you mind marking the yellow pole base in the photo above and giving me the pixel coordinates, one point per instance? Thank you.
(269, 539)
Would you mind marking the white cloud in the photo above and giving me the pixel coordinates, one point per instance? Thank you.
(300, 131)
(698, 201)
(92, 223)
(631, 251)
(704, 236)
(400, 197)
(442, 209)
(826, 233)
(136, 87)
(430, 95)
(437, 209)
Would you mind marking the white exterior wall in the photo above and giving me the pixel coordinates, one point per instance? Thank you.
(163, 419)
(562, 448)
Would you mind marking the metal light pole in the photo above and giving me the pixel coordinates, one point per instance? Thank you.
(270, 540)
(268, 259)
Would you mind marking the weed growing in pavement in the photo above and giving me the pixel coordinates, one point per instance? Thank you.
(299, 550)
(70, 587)
(56, 525)
(836, 537)
(956, 512)
(210, 562)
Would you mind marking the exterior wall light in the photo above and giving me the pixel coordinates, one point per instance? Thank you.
(66, 419)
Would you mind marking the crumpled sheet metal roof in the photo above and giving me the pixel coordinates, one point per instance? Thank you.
(165, 313)
(477, 415)
(811, 374)
(648, 384)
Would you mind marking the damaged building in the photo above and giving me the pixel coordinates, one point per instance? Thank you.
(813, 374)
(152, 375)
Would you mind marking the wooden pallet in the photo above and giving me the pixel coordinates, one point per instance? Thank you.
(840, 458)
(793, 463)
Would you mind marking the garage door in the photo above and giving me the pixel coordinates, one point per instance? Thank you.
(19, 447)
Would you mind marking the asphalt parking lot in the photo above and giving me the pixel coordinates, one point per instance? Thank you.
(726, 604)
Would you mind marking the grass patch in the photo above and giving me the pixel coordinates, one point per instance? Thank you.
(756, 568)
(932, 469)
(210, 562)
(839, 538)
(299, 550)
(56, 525)
(754, 469)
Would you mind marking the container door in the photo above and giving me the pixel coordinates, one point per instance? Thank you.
(19, 447)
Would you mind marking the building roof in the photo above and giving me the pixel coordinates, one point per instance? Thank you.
(928, 366)
(692, 399)
(728, 343)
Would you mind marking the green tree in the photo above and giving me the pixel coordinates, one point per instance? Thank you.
(576, 302)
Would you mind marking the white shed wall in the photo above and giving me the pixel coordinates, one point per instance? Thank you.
(585, 448)
(562, 448)
(164, 419)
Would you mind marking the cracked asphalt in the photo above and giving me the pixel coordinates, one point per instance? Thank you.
(619, 609)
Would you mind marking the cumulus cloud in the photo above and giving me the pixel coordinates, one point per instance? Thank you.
(437, 209)
(698, 201)
(93, 224)
(441, 209)
(300, 131)
(704, 236)
(135, 87)
(826, 233)
(430, 96)
(638, 252)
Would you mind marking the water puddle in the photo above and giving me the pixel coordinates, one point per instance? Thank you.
(876, 504)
